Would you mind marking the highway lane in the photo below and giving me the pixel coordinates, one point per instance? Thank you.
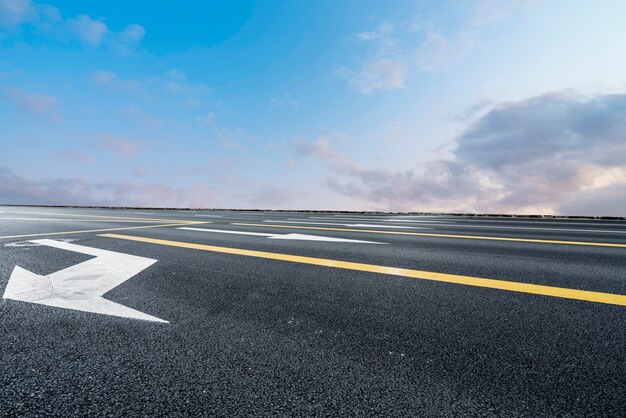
(263, 330)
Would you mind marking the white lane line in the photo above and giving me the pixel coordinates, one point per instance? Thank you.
(295, 237)
(359, 219)
(81, 286)
(456, 226)
(471, 219)
(341, 224)
(529, 228)
(225, 231)
(347, 218)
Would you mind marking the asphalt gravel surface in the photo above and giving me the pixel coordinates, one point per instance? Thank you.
(259, 326)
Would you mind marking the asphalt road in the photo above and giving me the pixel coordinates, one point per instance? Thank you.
(433, 316)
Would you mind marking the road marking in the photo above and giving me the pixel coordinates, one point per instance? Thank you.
(446, 225)
(45, 234)
(80, 287)
(564, 222)
(559, 292)
(34, 244)
(517, 227)
(296, 237)
(100, 216)
(223, 231)
(74, 220)
(359, 225)
(430, 234)
(363, 219)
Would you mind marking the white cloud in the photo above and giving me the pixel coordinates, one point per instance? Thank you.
(392, 53)
(33, 103)
(128, 39)
(103, 77)
(90, 30)
(16, 12)
(322, 149)
(132, 34)
(111, 80)
(48, 21)
(379, 74)
(382, 31)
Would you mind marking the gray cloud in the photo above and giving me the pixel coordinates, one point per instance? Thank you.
(611, 199)
(75, 191)
(540, 155)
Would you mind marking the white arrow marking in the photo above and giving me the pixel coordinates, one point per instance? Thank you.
(81, 286)
(298, 237)
(358, 225)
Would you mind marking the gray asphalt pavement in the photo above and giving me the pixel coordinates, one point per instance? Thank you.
(431, 316)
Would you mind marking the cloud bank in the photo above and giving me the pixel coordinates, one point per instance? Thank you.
(48, 20)
(75, 191)
(558, 153)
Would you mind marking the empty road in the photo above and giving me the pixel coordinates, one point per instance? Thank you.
(165, 312)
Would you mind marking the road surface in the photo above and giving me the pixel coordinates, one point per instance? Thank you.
(150, 312)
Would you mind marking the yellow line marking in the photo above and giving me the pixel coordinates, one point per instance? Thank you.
(558, 292)
(97, 230)
(121, 220)
(425, 234)
(98, 216)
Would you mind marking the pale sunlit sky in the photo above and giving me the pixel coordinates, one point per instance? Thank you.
(512, 106)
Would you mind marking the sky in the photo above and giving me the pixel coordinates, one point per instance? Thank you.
(483, 106)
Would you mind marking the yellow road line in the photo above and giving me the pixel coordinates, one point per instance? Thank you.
(121, 220)
(425, 234)
(98, 216)
(97, 230)
(558, 292)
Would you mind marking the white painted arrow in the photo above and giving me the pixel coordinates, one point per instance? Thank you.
(298, 237)
(81, 286)
(358, 225)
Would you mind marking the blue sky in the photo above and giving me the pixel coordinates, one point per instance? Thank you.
(514, 106)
